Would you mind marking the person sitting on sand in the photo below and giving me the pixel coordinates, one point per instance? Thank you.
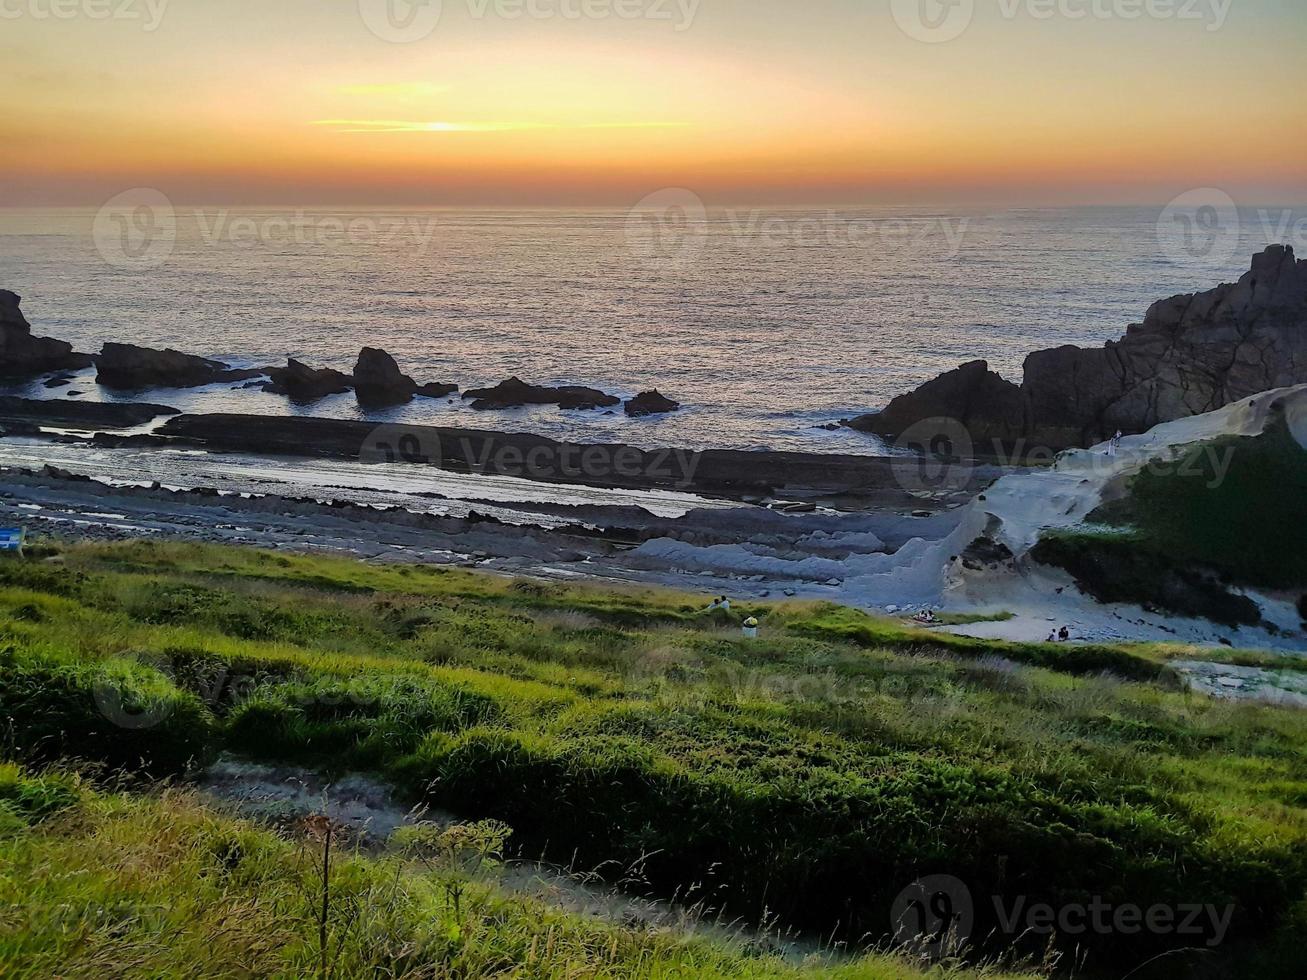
(1052, 637)
(1064, 634)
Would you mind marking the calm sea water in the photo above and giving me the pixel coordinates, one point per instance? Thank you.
(765, 324)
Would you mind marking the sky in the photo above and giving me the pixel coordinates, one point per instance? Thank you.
(576, 102)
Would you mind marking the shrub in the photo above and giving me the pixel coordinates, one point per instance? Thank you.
(120, 713)
(1248, 523)
(369, 722)
(34, 798)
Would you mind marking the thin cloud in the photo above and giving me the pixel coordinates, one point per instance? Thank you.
(396, 90)
(379, 126)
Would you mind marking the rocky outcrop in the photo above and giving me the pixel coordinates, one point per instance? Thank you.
(650, 403)
(80, 415)
(131, 368)
(434, 389)
(986, 405)
(514, 393)
(1192, 354)
(725, 473)
(378, 380)
(22, 355)
(301, 383)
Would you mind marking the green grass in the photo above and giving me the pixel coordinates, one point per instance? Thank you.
(1229, 511)
(809, 775)
(1249, 523)
(106, 884)
(967, 619)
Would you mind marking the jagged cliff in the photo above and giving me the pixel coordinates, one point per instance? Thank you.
(21, 354)
(1192, 354)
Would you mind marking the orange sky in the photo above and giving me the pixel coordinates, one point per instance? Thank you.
(767, 101)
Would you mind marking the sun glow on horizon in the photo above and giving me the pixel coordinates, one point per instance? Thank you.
(761, 100)
(378, 126)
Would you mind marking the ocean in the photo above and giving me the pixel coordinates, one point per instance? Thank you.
(765, 324)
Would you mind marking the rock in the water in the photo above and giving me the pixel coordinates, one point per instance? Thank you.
(21, 354)
(514, 393)
(378, 380)
(301, 383)
(581, 397)
(434, 389)
(986, 405)
(132, 368)
(650, 403)
(1192, 354)
(92, 415)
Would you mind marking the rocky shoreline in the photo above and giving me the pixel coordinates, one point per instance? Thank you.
(1193, 354)
(376, 380)
(724, 473)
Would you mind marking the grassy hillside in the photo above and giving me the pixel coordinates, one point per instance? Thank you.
(100, 884)
(1237, 504)
(809, 775)
(1229, 511)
